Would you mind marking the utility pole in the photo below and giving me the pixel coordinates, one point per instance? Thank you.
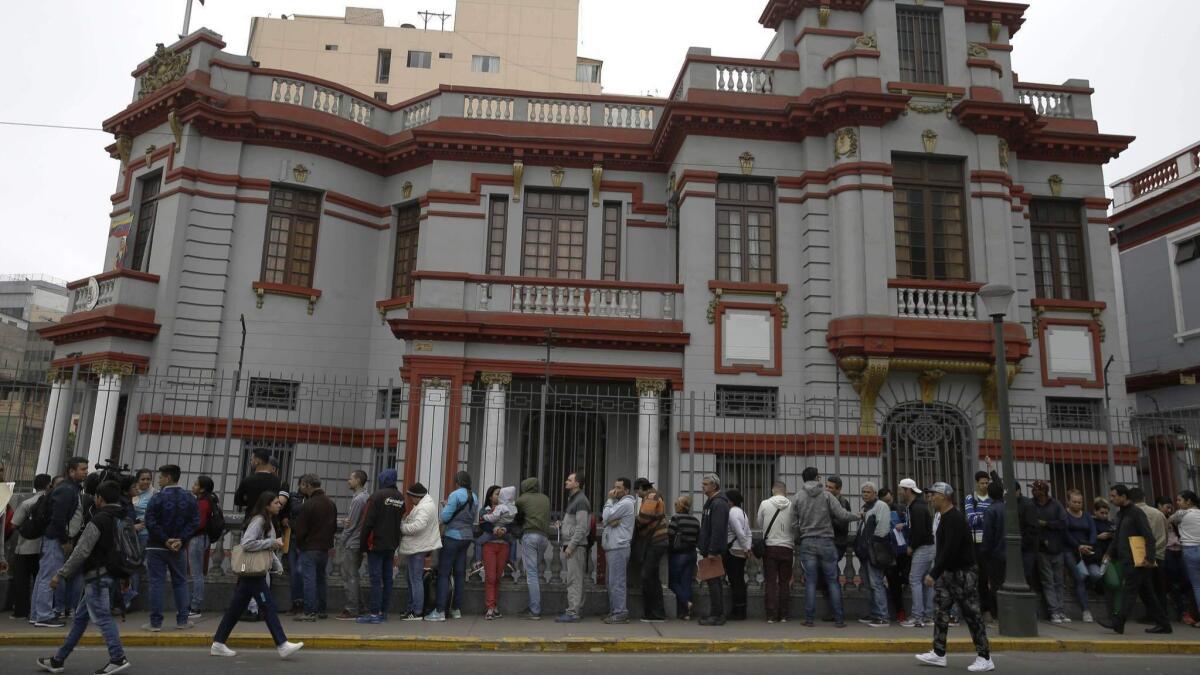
(426, 15)
(237, 378)
(187, 18)
(542, 412)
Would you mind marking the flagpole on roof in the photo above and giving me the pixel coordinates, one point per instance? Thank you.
(187, 19)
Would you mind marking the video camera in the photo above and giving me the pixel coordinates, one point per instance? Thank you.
(110, 470)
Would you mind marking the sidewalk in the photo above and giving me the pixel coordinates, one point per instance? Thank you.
(473, 633)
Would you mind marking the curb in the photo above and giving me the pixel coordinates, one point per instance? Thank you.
(629, 645)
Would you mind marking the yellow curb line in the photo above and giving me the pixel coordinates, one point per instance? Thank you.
(627, 646)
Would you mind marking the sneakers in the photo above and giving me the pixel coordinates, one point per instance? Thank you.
(184, 626)
(1087, 617)
(1187, 619)
(307, 617)
(528, 614)
(369, 618)
(932, 659)
(219, 649)
(113, 667)
(912, 623)
(346, 615)
(51, 664)
(455, 614)
(491, 615)
(412, 617)
(152, 628)
(839, 624)
(616, 618)
(567, 617)
(50, 623)
(435, 615)
(1060, 619)
(195, 615)
(712, 621)
(878, 623)
(981, 665)
(288, 648)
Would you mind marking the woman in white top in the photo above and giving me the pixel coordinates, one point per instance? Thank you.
(739, 550)
(259, 535)
(1187, 520)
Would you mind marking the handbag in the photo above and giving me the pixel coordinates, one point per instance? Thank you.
(251, 563)
(881, 554)
(759, 545)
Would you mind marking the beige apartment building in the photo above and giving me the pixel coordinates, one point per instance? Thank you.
(501, 44)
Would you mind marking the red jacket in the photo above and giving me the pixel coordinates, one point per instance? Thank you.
(205, 506)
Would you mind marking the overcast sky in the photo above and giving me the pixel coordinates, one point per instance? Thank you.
(67, 62)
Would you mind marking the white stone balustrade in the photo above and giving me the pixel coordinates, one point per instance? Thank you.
(417, 114)
(625, 116)
(560, 112)
(745, 79)
(482, 107)
(1180, 167)
(326, 100)
(935, 303)
(81, 297)
(287, 91)
(1048, 103)
(361, 112)
(576, 301)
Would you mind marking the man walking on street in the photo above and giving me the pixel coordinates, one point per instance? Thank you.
(351, 546)
(66, 519)
(1136, 580)
(97, 562)
(381, 526)
(918, 532)
(774, 520)
(573, 537)
(714, 537)
(171, 518)
(314, 532)
(953, 578)
(877, 524)
(618, 517)
(533, 513)
(816, 513)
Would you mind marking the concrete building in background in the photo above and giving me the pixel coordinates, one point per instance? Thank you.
(500, 44)
(797, 241)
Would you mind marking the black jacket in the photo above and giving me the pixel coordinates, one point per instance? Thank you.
(920, 523)
(1131, 522)
(252, 487)
(317, 524)
(95, 548)
(1051, 519)
(955, 545)
(714, 526)
(841, 529)
(382, 520)
(64, 502)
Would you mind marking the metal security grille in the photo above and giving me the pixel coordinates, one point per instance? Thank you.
(747, 402)
(928, 443)
(272, 394)
(1073, 413)
(920, 33)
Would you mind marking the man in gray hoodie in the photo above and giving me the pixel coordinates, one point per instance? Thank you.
(618, 516)
(814, 511)
(573, 537)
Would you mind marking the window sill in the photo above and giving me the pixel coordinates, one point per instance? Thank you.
(264, 288)
(1187, 335)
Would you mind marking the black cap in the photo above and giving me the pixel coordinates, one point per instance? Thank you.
(642, 484)
(417, 490)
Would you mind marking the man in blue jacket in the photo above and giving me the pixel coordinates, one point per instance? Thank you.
(66, 520)
(171, 519)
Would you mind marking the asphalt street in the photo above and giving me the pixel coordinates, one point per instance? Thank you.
(84, 660)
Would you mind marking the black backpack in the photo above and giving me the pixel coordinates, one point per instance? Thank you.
(38, 518)
(214, 529)
(126, 554)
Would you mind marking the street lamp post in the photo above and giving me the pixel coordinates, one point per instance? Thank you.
(1017, 605)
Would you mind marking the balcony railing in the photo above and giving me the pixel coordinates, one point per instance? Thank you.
(554, 297)
(1183, 165)
(935, 299)
(325, 99)
(120, 287)
(1047, 103)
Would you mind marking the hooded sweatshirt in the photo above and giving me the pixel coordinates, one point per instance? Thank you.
(502, 514)
(384, 516)
(618, 523)
(420, 529)
(780, 533)
(534, 509)
(814, 510)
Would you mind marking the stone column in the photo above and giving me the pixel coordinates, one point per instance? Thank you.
(55, 428)
(431, 453)
(492, 470)
(104, 417)
(648, 434)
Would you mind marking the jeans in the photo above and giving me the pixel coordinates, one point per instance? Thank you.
(159, 562)
(1083, 573)
(379, 569)
(922, 596)
(1191, 563)
(452, 561)
(818, 556)
(652, 592)
(416, 583)
(879, 602)
(735, 572)
(533, 550)
(313, 566)
(351, 562)
(43, 598)
(618, 568)
(247, 589)
(1176, 584)
(1050, 570)
(777, 577)
(681, 570)
(95, 606)
(197, 547)
(576, 570)
(495, 553)
(295, 574)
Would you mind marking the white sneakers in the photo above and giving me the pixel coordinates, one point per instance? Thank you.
(219, 649)
(288, 648)
(1087, 617)
(931, 658)
(981, 665)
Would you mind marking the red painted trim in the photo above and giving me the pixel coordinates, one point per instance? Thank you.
(695, 193)
(292, 432)
(834, 173)
(139, 162)
(140, 363)
(452, 214)
(357, 204)
(1097, 354)
(637, 190)
(694, 176)
(1180, 223)
(1061, 453)
(924, 88)
(1151, 381)
(586, 371)
(1038, 86)
(543, 281)
(747, 287)
(285, 289)
(997, 177)
(116, 274)
(776, 367)
(981, 194)
(1067, 305)
(931, 284)
(933, 338)
(503, 327)
(1098, 203)
(223, 179)
(996, 47)
(985, 63)
(211, 195)
(125, 321)
(850, 54)
(725, 443)
(356, 221)
(401, 302)
(646, 224)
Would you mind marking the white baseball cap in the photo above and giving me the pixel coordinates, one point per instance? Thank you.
(911, 485)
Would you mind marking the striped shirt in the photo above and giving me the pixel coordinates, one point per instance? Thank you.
(683, 532)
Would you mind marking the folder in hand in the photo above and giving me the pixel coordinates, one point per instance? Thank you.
(1137, 547)
(710, 568)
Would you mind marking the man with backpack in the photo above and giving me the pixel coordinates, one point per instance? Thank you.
(58, 518)
(171, 518)
(106, 550)
(573, 537)
(24, 568)
(212, 526)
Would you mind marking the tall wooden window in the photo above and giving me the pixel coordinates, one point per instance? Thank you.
(1058, 258)
(497, 231)
(745, 231)
(554, 239)
(610, 261)
(147, 214)
(291, 247)
(407, 233)
(920, 44)
(931, 238)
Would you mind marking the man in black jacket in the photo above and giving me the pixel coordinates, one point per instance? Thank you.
(66, 518)
(314, 532)
(714, 530)
(954, 579)
(918, 532)
(380, 538)
(92, 560)
(1051, 521)
(1132, 522)
(261, 479)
